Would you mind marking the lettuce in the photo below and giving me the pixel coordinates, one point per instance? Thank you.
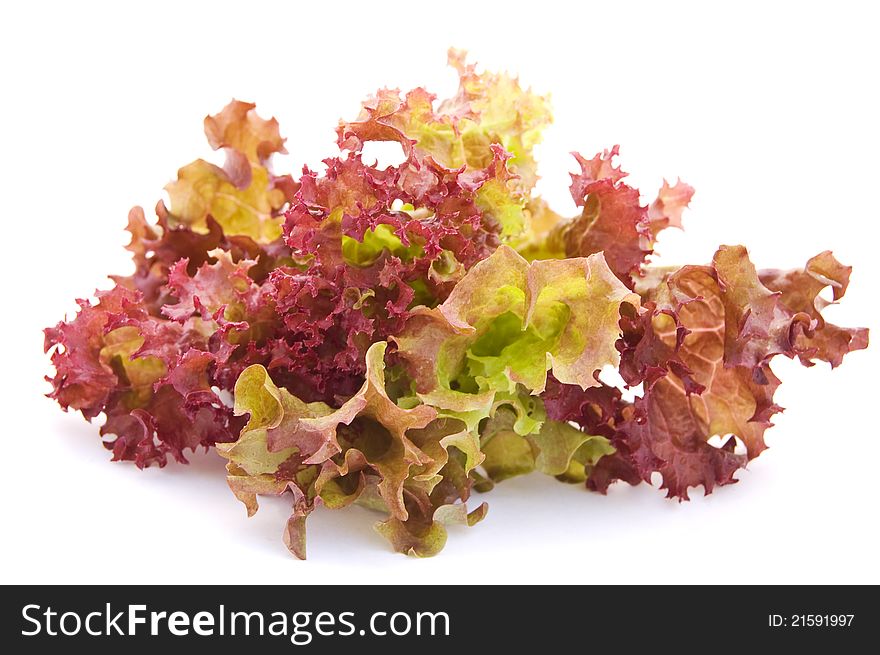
(403, 337)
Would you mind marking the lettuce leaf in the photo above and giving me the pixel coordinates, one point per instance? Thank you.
(701, 347)
(505, 325)
(403, 337)
(148, 376)
(368, 445)
(243, 197)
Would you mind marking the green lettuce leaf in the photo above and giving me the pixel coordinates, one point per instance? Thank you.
(505, 325)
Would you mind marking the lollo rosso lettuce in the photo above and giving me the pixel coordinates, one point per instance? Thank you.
(404, 337)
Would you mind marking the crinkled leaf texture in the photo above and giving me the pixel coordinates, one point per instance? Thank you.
(505, 325)
(414, 456)
(401, 337)
(701, 347)
(243, 197)
(614, 221)
(407, 462)
(154, 353)
(376, 243)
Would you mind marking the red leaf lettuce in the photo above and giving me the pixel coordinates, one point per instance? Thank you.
(401, 337)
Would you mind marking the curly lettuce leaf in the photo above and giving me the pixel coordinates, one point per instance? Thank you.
(557, 448)
(702, 347)
(243, 197)
(148, 376)
(488, 109)
(614, 221)
(427, 538)
(506, 324)
(238, 127)
(799, 293)
(333, 455)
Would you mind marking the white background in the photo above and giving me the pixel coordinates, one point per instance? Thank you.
(770, 111)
